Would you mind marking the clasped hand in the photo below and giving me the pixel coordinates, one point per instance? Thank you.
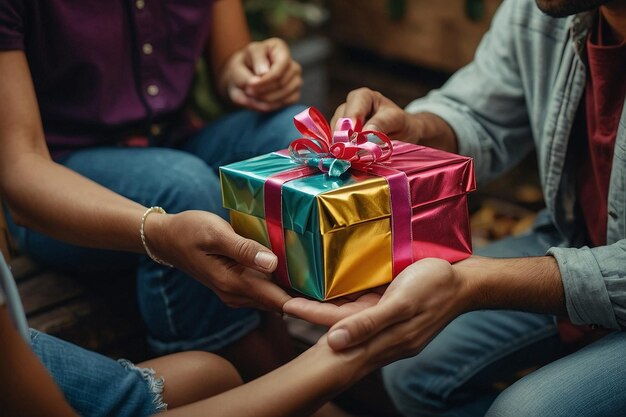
(393, 322)
(263, 76)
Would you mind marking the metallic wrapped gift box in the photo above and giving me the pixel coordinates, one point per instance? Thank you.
(336, 234)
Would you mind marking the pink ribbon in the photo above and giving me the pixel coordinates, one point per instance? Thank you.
(347, 146)
(334, 153)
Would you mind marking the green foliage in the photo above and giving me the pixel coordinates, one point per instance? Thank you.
(475, 9)
(288, 19)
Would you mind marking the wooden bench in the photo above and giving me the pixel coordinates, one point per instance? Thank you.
(96, 312)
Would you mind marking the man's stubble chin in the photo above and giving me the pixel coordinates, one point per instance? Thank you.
(562, 8)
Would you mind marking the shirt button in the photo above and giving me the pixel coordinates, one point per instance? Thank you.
(140, 4)
(152, 90)
(147, 48)
(155, 130)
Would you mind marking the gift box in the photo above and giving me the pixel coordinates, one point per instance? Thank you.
(348, 210)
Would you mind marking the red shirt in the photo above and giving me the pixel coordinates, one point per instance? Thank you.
(604, 99)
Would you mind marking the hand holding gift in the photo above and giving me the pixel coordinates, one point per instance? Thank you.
(236, 268)
(417, 304)
(380, 113)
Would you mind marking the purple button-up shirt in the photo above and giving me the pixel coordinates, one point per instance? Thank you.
(101, 68)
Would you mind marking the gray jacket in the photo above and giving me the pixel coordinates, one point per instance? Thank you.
(522, 91)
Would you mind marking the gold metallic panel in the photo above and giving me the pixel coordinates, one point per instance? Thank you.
(363, 201)
(357, 257)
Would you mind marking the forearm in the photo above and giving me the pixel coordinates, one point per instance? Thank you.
(56, 201)
(229, 34)
(295, 389)
(44, 195)
(26, 388)
(529, 284)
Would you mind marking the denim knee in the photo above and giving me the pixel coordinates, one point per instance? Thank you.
(187, 183)
(98, 386)
(411, 391)
(524, 399)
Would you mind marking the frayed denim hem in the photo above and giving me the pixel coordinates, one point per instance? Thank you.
(155, 385)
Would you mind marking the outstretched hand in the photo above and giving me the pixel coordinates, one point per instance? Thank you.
(417, 304)
(263, 76)
(327, 313)
(205, 246)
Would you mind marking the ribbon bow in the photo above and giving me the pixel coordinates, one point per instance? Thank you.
(334, 153)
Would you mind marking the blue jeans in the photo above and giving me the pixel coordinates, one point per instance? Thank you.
(460, 371)
(97, 386)
(180, 313)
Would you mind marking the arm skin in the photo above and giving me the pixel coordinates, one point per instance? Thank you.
(26, 388)
(229, 34)
(296, 389)
(528, 284)
(47, 197)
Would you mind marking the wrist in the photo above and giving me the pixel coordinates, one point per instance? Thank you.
(339, 369)
(529, 284)
(471, 294)
(417, 128)
(435, 132)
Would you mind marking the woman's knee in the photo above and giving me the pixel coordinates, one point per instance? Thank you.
(193, 376)
(212, 371)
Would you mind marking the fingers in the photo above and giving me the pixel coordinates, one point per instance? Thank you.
(359, 105)
(330, 312)
(238, 286)
(398, 341)
(264, 77)
(257, 58)
(224, 241)
(264, 294)
(376, 112)
(266, 89)
(363, 326)
(270, 56)
(313, 311)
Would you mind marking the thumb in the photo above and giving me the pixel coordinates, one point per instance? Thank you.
(249, 253)
(258, 59)
(379, 123)
(385, 119)
(265, 294)
(362, 326)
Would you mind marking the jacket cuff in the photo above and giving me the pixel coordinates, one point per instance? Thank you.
(586, 296)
